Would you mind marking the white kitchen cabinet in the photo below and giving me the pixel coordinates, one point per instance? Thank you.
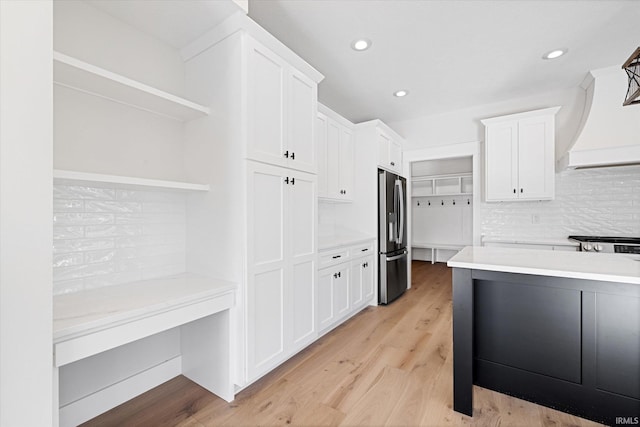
(282, 105)
(361, 281)
(389, 152)
(520, 156)
(281, 218)
(335, 144)
(345, 283)
(333, 295)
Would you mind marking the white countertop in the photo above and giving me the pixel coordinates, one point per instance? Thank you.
(542, 242)
(341, 238)
(578, 265)
(79, 312)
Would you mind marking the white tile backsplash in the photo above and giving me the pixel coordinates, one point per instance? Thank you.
(105, 235)
(603, 201)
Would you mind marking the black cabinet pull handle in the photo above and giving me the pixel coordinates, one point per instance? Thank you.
(336, 256)
(393, 164)
(286, 154)
(293, 181)
(442, 202)
(454, 202)
(293, 155)
(522, 190)
(365, 249)
(468, 202)
(335, 275)
(514, 191)
(286, 180)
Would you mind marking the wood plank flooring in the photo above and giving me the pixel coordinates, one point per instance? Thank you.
(389, 365)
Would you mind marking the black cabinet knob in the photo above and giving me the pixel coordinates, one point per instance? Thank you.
(293, 181)
(521, 190)
(293, 155)
(286, 154)
(514, 191)
(286, 180)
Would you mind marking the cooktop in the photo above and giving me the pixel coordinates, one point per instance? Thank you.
(600, 239)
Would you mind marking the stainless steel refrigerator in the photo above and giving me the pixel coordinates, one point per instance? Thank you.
(392, 236)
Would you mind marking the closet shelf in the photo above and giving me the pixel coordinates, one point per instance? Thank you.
(443, 195)
(128, 180)
(76, 74)
(443, 176)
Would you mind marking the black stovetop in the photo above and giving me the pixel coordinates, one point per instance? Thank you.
(600, 239)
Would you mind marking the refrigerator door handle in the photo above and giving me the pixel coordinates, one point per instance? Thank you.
(398, 210)
(401, 230)
(393, 258)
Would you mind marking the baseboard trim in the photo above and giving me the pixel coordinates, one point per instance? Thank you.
(101, 401)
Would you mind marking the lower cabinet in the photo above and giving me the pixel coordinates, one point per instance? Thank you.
(344, 288)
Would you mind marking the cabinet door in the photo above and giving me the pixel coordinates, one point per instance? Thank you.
(536, 158)
(325, 298)
(501, 165)
(266, 74)
(266, 267)
(355, 294)
(301, 222)
(383, 151)
(395, 155)
(302, 109)
(346, 164)
(368, 278)
(322, 149)
(341, 291)
(333, 160)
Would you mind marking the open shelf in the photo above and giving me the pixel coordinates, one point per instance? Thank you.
(128, 180)
(460, 184)
(79, 75)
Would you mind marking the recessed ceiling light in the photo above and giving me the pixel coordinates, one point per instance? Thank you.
(361, 44)
(553, 54)
(400, 93)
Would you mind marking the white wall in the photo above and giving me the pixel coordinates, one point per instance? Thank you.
(25, 213)
(464, 125)
(598, 201)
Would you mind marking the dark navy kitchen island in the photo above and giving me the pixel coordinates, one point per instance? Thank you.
(561, 329)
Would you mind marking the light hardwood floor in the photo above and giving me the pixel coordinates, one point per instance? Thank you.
(389, 365)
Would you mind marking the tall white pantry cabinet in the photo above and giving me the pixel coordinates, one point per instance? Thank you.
(263, 167)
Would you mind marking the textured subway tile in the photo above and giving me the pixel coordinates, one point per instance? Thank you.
(112, 206)
(67, 259)
(112, 230)
(67, 286)
(62, 205)
(82, 218)
(595, 201)
(100, 256)
(81, 245)
(72, 232)
(83, 192)
(107, 235)
(82, 270)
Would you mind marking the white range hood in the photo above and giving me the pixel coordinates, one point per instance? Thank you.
(609, 134)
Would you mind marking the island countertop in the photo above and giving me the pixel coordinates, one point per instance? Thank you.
(577, 265)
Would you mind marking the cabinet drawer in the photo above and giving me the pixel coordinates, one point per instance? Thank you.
(362, 249)
(333, 257)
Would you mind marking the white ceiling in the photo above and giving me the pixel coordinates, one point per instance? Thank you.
(176, 22)
(448, 54)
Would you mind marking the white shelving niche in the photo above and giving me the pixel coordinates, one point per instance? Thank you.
(133, 182)
(76, 74)
(64, 176)
(442, 214)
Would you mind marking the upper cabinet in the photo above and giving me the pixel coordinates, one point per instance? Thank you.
(389, 152)
(335, 146)
(282, 107)
(519, 156)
